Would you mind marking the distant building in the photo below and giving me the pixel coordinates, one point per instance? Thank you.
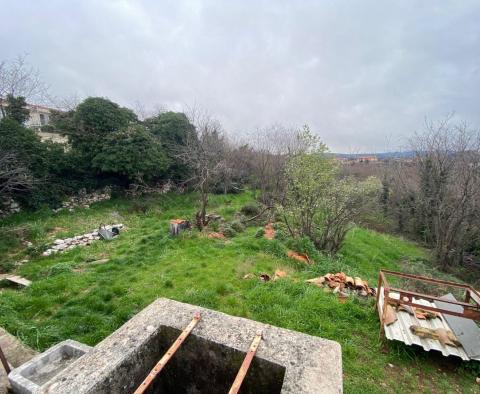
(352, 159)
(39, 116)
(366, 159)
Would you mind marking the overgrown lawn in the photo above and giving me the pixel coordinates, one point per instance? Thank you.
(74, 296)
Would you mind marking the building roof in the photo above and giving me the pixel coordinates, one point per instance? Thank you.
(30, 106)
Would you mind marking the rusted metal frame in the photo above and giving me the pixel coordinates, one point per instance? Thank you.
(410, 294)
(5, 364)
(242, 372)
(474, 315)
(426, 279)
(379, 286)
(473, 295)
(167, 356)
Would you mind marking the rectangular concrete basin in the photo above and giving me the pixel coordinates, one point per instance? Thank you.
(31, 376)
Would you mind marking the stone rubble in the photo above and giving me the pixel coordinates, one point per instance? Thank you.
(137, 190)
(62, 245)
(9, 206)
(83, 200)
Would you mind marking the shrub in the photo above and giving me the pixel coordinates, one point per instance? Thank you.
(260, 232)
(237, 225)
(281, 235)
(59, 268)
(303, 245)
(229, 232)
(214, 226)
(275, 247)
(250, 209)
(6, 266)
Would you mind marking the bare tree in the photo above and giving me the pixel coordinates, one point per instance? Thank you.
(448, 165)
(19, 79)
(271, 148)
(205, 155)
(14, 177)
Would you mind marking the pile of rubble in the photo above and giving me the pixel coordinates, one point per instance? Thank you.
(137, 190)
(84, 199)
(61, 245)
(9, 206)
(343, 284)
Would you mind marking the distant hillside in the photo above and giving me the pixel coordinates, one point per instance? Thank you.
(380, 156)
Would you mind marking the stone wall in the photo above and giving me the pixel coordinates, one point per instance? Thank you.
(9, 206)
(84, 199)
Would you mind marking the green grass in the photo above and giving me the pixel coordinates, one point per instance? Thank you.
(72, 298)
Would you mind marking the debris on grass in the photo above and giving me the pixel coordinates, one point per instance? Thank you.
(445, 337)
(97, 262)
(302, 257)
(177, 225)
(340, 282)
(18, 280)
(390, 315)
(278, 274)
(269, 232)
(265, 277)
(216, 235)
(61, 245)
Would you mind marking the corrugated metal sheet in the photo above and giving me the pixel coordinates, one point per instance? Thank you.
(400, 330)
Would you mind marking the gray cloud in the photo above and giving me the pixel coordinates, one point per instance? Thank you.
(362, 74)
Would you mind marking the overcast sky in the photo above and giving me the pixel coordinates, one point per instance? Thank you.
(363, 74)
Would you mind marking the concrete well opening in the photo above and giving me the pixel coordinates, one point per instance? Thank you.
(203, 366)
(207, 361)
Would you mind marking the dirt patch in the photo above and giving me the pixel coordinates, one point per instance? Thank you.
(56, 230)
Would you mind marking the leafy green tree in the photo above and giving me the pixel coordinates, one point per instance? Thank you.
(319, 204)
(42, 163)
(96, 129)
(133, 153)
(174, 131)
(16, 109)
(24, 143)
(91, 122)
(100, 115)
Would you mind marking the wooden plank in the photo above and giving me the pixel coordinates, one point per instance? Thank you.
(242, 372)
(167, 356)
(18, 280)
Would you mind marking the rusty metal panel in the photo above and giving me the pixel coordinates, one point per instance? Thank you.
(400, 329)
(466, 330)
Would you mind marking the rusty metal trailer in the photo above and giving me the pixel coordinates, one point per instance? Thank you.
(465, 312)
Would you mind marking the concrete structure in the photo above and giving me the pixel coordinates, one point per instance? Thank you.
(208, 360)
(17, 354)
(31, 376)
